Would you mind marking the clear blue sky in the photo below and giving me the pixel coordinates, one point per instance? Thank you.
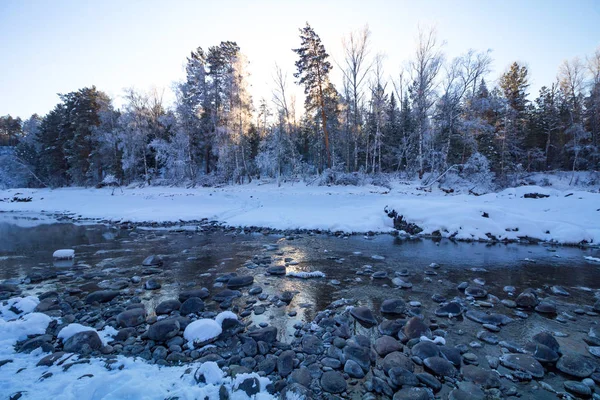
(50, 47)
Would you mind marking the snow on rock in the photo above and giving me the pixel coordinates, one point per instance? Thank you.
(564, 216)
(202, 331)
(213, 375)
(15, 330)
(23, 304)
(305, 274)
(64, 254)
(223, 316)
(105, 335)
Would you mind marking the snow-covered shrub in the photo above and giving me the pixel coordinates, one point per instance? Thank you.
(477, 170)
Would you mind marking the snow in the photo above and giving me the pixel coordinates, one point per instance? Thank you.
(23, 304)
(202, 330)
(223, 316)
(567, 216)
(64, 254)
(590, 258)
(126, 378)
(105, 335)
(306, 275)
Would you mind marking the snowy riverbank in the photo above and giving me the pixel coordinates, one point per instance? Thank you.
(564, 216)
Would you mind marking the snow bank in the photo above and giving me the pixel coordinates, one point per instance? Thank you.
(126, 378)
(565, 216)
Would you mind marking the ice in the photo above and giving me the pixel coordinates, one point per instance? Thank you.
(306, 275)
(64, 254)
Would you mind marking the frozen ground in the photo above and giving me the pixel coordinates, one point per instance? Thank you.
(566, 216)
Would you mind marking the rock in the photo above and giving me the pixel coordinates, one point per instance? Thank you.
(523, 362)
(131, 318)
(167, 307)
(364, 316)
(226, 295)
(50, 359)
(439, 366)
(451, 354)
(594, 350)
(267, 334)
(193, 305)
(152, 261)
(287, 296)
(385, 345)
(354, 370)
(467, 391)
(312, 344)
(393, 306)
(380, 275)
(487, 337)
(276, 270)
(255, 290)
(397, 360)
(476, 291)
(413, 393)
(485, 318)
(333, 382)
(430, 381)
(575, 365)
(42, 341)
(295, 391)
(359, 354)
(578, 388)
(199, 293)
(486, 378)
(301, 376)
(402, 377)
(527, 299)
(390, 327)
(101, 296)
(449, 310)
(547, 340)
(559, 291)
(152, 284)
(237, 282)
(546, 307)
(415, 328)
(285, 363)
(425, 349)
(83, 342)
(250, 386)
(163, 330)
(542, 353)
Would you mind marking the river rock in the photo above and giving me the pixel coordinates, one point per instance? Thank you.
(83, 342)
(485, 318)
(402, 377)
(361, 355)
(354, 370)
(276, 270)
(542, 353)
(575, 365)
(415, 328)
(333, 382)
(546, 307)
(385, 345)
(476, 291)
(312, 344)
(267, 334)
(152, 284)
(237, 282)
(578, 389)
(559, 291)
(101, 296)
(397, 360)
(449, 309)
(523, 362)
(425, 349)
(393, 306)
(439, 366)
(193, 305)
(285, 363)
(430, 381)
(163, 330)
(131, 318)
(413, 393)
(167, 307)
(199, 293)
(486, 378)
(364, 316)
(226, 295)
(152, 261)
(467, 391)
(527, 299)
(547, 340)
(301, 376)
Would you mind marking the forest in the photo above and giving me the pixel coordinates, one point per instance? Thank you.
(435, 116)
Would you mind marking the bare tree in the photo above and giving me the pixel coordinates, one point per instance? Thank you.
(356, 51)
(424, 69)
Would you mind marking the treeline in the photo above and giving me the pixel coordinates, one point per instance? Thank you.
(436, 115)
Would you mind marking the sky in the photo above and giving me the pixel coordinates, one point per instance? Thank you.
(50, 47)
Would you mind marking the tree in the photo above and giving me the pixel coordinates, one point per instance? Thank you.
(424, 69)
(313, 72)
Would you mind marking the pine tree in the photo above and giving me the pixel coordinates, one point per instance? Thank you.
(313, 72)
